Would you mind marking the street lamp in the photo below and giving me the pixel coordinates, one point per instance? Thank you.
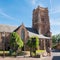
(3, 43)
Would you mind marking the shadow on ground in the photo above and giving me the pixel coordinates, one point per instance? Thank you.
(56, 58)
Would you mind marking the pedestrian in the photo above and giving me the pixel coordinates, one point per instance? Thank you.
(48, 51)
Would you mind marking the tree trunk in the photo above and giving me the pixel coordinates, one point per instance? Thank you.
(30, 52)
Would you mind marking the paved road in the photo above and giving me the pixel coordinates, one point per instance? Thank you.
(54, 56)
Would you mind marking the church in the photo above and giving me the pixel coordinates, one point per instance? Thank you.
(40, 28)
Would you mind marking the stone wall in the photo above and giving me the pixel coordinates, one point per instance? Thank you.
(26, 35)
(40, 21)
(5, 39)
(0, 41)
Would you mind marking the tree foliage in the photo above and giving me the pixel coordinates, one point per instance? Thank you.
(15, 40)
(33, 43)
(56, 38)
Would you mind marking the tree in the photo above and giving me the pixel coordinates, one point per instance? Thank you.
(33, 44)
(15, 41)
(55, 40)
(58, 38)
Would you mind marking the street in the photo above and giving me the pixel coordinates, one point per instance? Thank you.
(54, 56)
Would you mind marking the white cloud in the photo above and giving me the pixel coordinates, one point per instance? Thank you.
(36, 3)
(55, 22)
(53, 12)
(55, 29)
(55, 32)
(33, 2)
(54, 8)
(6, 15)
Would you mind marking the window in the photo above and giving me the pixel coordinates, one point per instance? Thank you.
(22, 34)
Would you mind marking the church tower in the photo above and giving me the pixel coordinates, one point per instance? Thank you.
(40, 21)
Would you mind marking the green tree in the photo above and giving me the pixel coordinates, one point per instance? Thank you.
(15, 41)
(33, 44)
(54, 39)
(58, 38)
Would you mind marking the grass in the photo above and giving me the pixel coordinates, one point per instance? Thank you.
(6, 53)
(37, 51)
(40, 51)
(21, 53)
(1, 52)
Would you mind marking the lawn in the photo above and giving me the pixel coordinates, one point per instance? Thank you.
(22, 53)
(37, 51)
(1, 52)
(6, 53)
(40, 51)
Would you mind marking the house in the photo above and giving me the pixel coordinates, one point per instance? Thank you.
(40, 27)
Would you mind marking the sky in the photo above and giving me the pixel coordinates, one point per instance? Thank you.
(16, 12)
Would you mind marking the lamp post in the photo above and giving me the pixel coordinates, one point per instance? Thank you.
(3, 43)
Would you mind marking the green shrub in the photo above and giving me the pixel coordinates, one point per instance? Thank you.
(32, 53)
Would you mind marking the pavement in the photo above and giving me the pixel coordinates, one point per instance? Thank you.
(54, 56)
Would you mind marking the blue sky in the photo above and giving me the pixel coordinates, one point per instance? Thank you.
(14, 12)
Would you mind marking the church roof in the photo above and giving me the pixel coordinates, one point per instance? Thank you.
(39, 36)
(31, 30)
(7, 28)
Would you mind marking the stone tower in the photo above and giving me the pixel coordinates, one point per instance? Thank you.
(40, 21)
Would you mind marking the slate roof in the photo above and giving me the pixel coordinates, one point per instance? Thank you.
(7, 28)
(31, 30)
(39, 36)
